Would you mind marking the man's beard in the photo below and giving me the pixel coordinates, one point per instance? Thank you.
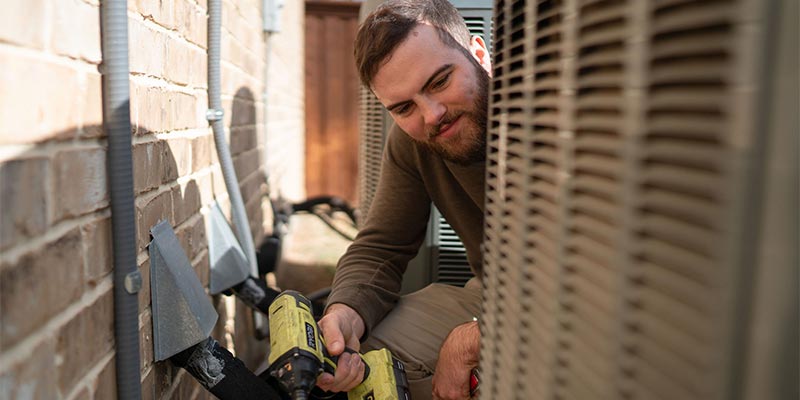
(469, 146)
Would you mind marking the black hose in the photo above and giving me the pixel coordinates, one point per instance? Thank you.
(336, 203)
(255, 293)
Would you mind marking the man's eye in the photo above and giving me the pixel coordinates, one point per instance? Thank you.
(402, 110)
(441, 82)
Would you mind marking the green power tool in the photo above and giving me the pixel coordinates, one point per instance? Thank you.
(298, 356)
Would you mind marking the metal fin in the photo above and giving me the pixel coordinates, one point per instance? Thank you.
(182, 313)
(229, 265)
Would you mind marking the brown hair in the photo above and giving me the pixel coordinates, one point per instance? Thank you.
(390, 23)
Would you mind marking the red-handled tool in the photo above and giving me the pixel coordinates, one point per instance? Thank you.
(474, 383)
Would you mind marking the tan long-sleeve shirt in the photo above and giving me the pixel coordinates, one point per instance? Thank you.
(369, 275)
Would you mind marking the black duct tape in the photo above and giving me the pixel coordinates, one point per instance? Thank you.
(222, 374)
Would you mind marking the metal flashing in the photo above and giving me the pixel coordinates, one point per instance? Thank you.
(182, 313)
(229, 265)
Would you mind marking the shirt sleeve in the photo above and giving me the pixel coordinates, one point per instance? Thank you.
(369, 275)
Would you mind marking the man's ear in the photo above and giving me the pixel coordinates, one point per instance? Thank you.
(478, 49)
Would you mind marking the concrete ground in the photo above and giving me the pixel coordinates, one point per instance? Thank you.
(311, 250)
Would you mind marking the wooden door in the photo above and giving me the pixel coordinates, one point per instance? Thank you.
(331, 91)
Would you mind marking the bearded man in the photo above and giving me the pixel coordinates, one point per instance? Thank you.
(419, 60)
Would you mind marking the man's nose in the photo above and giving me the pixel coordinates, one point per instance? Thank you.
(433, 111)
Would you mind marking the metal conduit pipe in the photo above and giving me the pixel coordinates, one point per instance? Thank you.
(214, 115)
(117, 123)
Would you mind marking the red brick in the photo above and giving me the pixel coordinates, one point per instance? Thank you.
(230, 49)
(186, 201)
(266, 215)
(200, 76)
(22, 189)
(168, 163)
(39, 286)
(146, 342)
(39, 86)
(147, 49)
(33, 377)
(161, 12)
(192, 22)
(214, 151)
(252, 186)
(148, 168)
(199, 242)
(181, 152)
(76, 30)
(244, 108)
(193, 238)
(80, 183)
(205, 187)
(202, 268)
(144, 293)
(218, 332)
(203, 394)
(84, 340)
(150, 213)
(218, 182)
(149, 109)
(234, 79)
(92, 104)
(21, 22)
(202, 103)
(201, 152)
(229, 16)
(165, 373)
(256, 218)
(248, 349)
(182, 62)
(105, 387)
(199, 71)
(243, 139)
(149, 385)
(97, 240)
(184, 112)
(188, 388)
(247, 162)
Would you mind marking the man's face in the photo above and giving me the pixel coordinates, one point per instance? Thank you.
(437, 94)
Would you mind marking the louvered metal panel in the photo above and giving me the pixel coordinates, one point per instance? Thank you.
(372, 126)
(623, 146)
(449, 258)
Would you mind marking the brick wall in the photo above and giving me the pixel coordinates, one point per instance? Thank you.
(56, 303)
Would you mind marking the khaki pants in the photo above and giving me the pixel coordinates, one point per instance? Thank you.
(415, 329)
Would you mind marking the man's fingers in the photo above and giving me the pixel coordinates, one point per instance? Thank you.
(342, 373)
(353, 343)
(338, 331)
(349, 374)
(325, 381)
(331, 331)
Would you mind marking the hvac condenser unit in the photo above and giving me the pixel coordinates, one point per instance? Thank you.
(642, 201)
(442, 257)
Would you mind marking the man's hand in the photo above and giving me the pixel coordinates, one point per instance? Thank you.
(342, 326)
(458, 356)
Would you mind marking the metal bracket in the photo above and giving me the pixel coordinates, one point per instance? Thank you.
(133, 282)
(214, 114)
